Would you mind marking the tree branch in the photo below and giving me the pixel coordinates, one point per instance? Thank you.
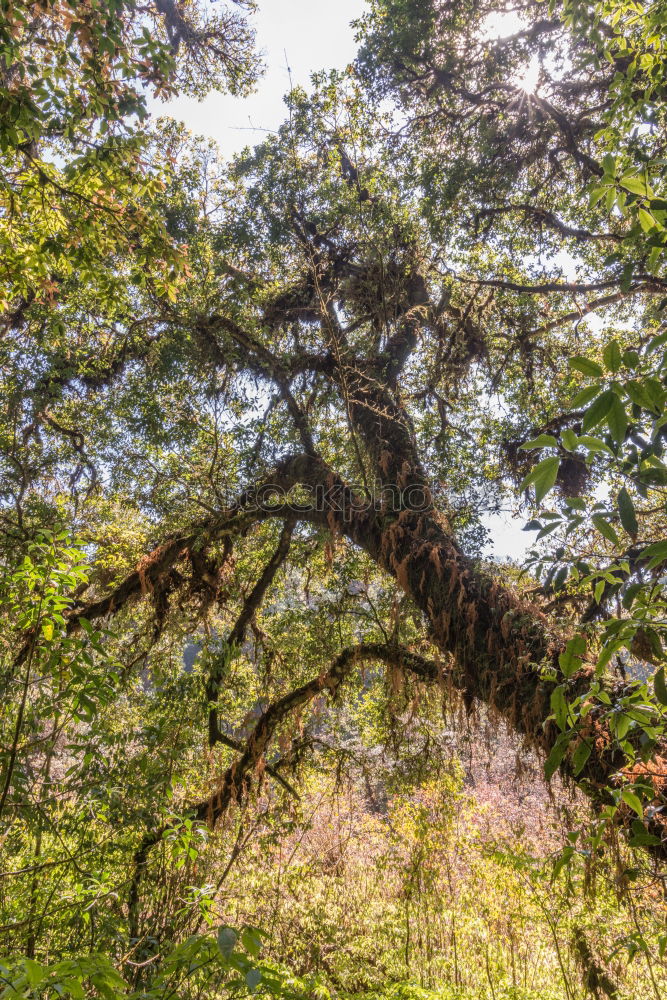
(237, 634)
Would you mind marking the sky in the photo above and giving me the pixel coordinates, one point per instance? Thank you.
(297, 38)
(306, 35)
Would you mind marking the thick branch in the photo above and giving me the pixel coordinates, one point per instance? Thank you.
(260, 359)
(544, 217)
(649, 284)
(250, 508)
(235, 782)
(586, 308)
(502, 644)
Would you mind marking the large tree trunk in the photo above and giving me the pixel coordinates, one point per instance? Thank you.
(503, 646)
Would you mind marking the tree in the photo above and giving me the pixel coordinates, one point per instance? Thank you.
(78, 168)
(583, 136)
(370, 329)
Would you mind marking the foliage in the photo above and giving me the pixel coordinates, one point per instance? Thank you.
(79, 175)
(617, 427)
(630, 38)
(225, 962)
(66, 677)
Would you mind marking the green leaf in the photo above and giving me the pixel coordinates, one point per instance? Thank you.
(644, 839)
(570, 660)
(630, 594)
(594, 444)
(605, 528)
(637, 392)
(626, 511)
(617, 420)
(85, 708)
(612, 356)
(636, 185)
(584, 396)
(596, 194)
(543, 477)
(74, 988)
(660, 686)
(569, 439)
(585, 365)
(658, 341)
(581, 754)
(251, 941)
(227, 938)
(253, 979)
(542, 441)
(606, 654)
(559, 706)
(646, 220)
(598, 409)
(562, 862)
(621, 725)
(35, 972)
(633, 800)
(555, 757)
(656, 552)
(548, 529)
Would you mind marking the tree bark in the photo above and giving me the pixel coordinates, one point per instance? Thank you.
(502, 644)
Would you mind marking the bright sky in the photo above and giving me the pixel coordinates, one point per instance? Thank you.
(307, 36)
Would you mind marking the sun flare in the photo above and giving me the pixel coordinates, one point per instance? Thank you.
(527, 80)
